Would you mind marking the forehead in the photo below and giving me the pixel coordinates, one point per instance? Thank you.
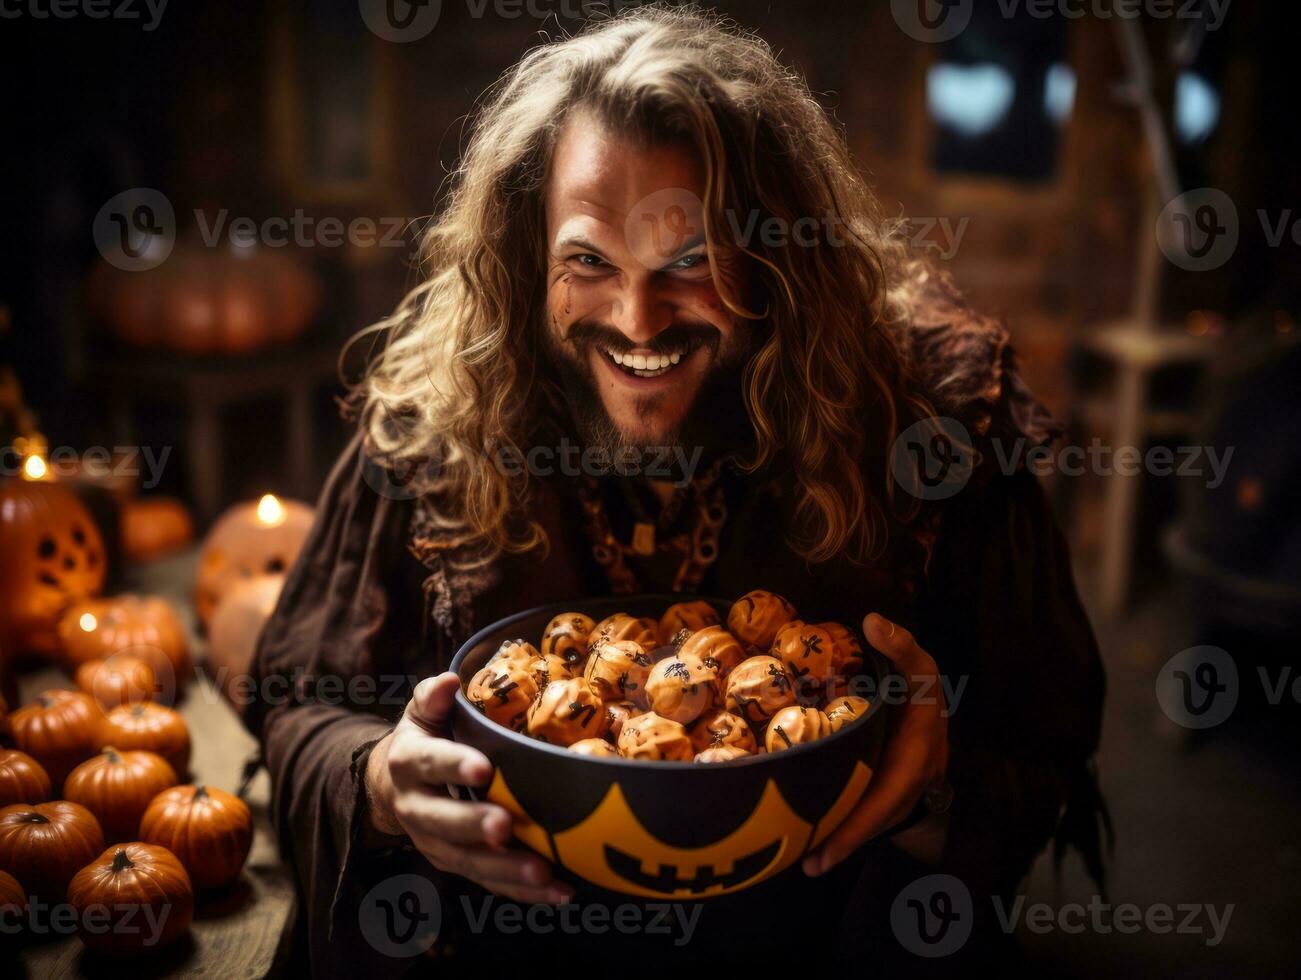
(598, 176)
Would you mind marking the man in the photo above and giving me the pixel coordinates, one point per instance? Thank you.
(658, 239)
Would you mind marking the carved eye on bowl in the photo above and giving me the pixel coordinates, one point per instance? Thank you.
(78, 535)
(46, 547)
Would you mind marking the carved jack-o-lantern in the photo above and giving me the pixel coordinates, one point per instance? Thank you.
(52, 555)
(260, 537)
(667, 830)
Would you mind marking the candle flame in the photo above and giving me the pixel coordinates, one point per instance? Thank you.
(88, 622)
(34, 468)
(270, 511)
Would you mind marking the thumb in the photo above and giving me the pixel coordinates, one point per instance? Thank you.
(431, 702)
(889, 638)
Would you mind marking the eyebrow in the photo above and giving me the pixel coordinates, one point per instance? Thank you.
(578, 241)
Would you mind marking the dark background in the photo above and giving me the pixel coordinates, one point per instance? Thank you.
(263, 108)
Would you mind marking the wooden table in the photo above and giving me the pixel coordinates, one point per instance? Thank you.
(244, 932)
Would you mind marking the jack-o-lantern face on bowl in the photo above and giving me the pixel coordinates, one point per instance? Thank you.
(52, 555)
(666, 830)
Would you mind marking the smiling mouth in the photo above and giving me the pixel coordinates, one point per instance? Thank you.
(642, 364)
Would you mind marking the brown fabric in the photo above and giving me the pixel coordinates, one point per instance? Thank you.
(996, 605)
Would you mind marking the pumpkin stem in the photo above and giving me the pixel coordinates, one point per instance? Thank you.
(35, 817)
(111, 752)
(200, 792)
(120, 860)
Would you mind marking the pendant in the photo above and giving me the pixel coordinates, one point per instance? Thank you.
(643, 539)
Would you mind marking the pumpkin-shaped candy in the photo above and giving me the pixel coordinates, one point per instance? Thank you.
(795, 725)
(209, 830)
(714, 643)
(138, 884)
(721, 727)
(652, 738)
(617, 671)
(692, 616)
(842, 711)
(756, 617)
(503, 691)
(566, 712)
(567, 636)
(758, 689)
(643, 631)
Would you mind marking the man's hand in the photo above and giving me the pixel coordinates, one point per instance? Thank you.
(916, 753)
(406, 780)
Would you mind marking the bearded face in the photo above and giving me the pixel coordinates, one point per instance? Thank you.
(645, 348)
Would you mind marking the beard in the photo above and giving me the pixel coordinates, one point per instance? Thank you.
(715, 424)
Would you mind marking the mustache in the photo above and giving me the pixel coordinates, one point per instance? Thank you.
(678, 338)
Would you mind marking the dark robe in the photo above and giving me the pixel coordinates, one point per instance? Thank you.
(993, 602)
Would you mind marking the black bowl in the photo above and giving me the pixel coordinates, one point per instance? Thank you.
(666, 829)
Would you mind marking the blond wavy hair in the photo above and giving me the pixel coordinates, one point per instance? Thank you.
(460, 376)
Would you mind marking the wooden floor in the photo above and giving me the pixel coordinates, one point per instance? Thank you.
(240, 933)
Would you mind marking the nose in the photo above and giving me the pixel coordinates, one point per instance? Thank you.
(640, 312)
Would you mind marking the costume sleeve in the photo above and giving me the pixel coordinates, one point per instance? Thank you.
(333, 669)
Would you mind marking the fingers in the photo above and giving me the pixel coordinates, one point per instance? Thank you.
(516, 874)
(431, 702)
(418, 759)
(889, 638)
(456, 821)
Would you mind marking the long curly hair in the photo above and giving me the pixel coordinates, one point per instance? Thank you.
(459, 378)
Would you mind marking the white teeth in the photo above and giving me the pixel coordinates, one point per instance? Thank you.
(644, 365)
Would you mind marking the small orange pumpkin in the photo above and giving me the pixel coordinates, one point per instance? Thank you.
(139, 884)
(150, 727)
(13, 900)
(258, 537)
(22, 780)
(154, 526)
(118, 787)
(53, 554)
(209, 830)
(60, 730)
(120, 679)
(143, 626)
(44, 844)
